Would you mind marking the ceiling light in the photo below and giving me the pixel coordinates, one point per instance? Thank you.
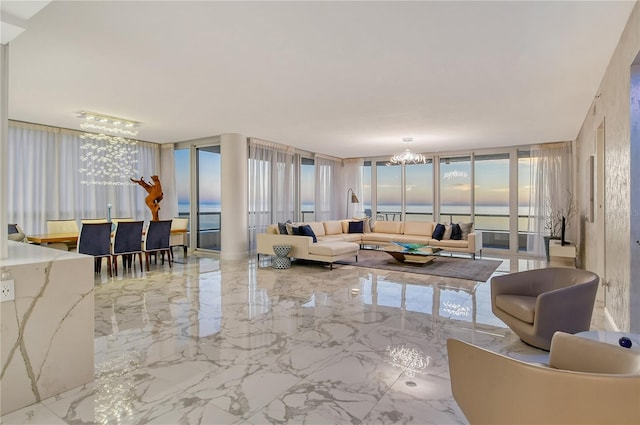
(407, 157)
(107, 157)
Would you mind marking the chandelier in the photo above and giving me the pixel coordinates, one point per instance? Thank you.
(407, 157)
(107, 156)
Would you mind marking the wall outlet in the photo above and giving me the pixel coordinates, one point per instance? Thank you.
(7, 291)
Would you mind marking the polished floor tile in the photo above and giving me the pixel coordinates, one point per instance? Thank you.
(211, 342)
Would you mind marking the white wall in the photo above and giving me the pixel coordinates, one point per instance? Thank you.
(611, 104)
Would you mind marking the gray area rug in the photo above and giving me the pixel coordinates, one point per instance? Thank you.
(459, 268)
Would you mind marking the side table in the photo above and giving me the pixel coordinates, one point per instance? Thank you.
(282, 260)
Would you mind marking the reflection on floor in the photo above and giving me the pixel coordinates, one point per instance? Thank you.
(213, 342)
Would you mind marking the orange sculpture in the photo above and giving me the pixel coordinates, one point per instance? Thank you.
(154, 195)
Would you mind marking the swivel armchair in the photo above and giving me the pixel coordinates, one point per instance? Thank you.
(537, 303)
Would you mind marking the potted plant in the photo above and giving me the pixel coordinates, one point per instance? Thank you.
(553, 219)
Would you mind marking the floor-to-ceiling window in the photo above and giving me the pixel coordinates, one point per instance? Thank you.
(455, 189)
(366, 197)
(388, 191)
(208, 197)
(419, 191)
(183, 173)
(307, 189)
(491, 195)
(525, 221)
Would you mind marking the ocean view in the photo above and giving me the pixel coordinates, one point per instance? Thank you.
(487, 217)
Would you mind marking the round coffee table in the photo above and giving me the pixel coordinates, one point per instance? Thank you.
(282, 260)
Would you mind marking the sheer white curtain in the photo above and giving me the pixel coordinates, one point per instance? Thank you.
(44, 182)
(352, 176)
(551, 194)
(328, 189)
(271, 186)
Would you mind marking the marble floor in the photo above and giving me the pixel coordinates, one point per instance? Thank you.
(211, 342)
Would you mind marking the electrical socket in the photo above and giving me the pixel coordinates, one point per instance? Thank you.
(7, 291)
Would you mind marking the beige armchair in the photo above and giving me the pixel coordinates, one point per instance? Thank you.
(587, 382)
(62, 226)
(537, 303)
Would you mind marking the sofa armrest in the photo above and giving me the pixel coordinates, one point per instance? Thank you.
(552, 307)
(299, 244)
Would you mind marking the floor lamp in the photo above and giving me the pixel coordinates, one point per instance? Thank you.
(354, 199)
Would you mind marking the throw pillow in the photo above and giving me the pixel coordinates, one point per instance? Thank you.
(356, 227)
(438, 232)
(367, 223)
(456, 232)
(295, 230)
(282, 227)
(447, 231)
(466, 228)
(306, 230)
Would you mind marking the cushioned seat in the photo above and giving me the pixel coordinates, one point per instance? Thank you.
(588, 382)
(537, 303)
(519, 306)
(333, 248)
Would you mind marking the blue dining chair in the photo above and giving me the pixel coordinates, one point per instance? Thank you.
(95, 239)
(127, 242)
(156, 240)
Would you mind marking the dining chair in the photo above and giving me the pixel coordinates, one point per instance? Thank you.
(156, 240)
(127, 242)
(95, 239)
(179, 239)
(62, 226)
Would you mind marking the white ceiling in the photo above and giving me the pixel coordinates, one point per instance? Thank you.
(341, 78)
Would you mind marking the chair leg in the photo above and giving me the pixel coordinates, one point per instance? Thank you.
(169, 257)
(185, 251)
(109, 266)
(146, 254)
(140, 260)
(115, 265)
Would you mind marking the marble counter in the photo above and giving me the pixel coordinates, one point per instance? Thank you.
(46, 333)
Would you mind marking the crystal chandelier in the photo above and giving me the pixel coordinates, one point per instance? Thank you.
(407, 157)
(107, 156)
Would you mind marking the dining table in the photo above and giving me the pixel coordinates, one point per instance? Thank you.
(47, 238)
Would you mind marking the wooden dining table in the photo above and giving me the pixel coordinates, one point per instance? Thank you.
(47, 238)
(71, 237)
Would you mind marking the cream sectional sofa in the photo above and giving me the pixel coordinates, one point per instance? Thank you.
(383, 233)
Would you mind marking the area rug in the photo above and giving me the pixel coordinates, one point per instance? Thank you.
(460, 268)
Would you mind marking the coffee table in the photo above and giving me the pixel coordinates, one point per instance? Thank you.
(419, 255)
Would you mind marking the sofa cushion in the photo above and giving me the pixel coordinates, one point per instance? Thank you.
(272, 229)
(388, 227)
(438, 232)
(306, 230)
(412, 239)
(352, 237)
(456, 232)
(447, 231)
(318, 227)
(519, 306)
(333, 248)
(356, 227)
(449, 243)
(420, 228)
(378, 237)
(282, 227)
(332, 227)
(466, 229)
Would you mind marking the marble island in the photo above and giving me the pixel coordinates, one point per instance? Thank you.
(46, 334)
